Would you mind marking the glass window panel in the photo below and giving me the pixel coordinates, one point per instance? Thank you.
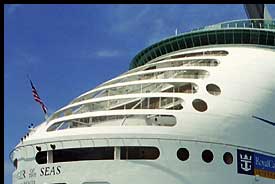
(220, 37)
(246, 36)
(139, 153)
(212, 38)
(228, 37)
(189, 42)
(204, 39)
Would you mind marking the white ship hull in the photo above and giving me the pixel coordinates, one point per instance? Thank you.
(240, 118)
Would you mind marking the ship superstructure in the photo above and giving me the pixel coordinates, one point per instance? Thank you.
(197, 107)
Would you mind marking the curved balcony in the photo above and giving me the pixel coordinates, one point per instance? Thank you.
(243, 24)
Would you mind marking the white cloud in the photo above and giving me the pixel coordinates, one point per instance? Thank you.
(8, 167)
(11, 8)
(107, 53)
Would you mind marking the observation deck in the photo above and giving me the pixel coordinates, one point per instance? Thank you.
(258, 32)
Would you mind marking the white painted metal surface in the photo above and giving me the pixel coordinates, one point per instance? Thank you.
(246, 78)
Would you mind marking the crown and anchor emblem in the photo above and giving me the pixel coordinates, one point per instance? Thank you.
(246, 162)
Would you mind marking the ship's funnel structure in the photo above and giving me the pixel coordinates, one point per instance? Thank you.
(257, 11)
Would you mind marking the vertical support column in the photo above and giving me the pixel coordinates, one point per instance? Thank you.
(117, 153)
(108, 105)
(173, 99)
(50, 156)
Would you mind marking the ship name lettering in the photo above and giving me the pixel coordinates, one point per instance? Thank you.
(50, 171)
(21, 175)
(265, 163)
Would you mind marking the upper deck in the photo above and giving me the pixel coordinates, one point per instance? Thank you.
(257, 32)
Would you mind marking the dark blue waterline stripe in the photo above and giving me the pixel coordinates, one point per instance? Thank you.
(264, 120)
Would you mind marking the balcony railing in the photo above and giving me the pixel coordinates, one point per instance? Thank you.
(249, 24)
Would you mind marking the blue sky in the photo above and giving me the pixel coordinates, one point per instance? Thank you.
(70, 49)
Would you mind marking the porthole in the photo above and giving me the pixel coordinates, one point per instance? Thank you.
(228, 158)
(199, 105)
(207, 156)
(183, 154)
(213, 89)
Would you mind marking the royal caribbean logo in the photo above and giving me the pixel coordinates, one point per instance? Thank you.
(251, 163)
(245, 162)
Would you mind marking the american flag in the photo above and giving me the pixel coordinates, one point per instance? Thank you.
(37, 98)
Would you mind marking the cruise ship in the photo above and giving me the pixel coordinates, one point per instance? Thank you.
(195, 108)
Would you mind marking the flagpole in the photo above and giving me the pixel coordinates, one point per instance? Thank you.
(37, 99)
(46, 116)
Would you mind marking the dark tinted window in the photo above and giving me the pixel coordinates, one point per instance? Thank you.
(78, 154)
(98, 153)
(132, 152)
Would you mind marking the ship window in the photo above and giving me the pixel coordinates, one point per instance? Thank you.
(99, 153)
(216, 53)
(213, 89)
(199, 105)
(175, 45)
(163, 51)
(139, 153)
(195, 54)
(181, 44)
(189, 42)
(127, 103)
(183, 154)
(79, 154)
(15, 163)
(54, 126)
(163, 74)
(204, 39)
(207, 156)
(151, 68)
(169, 74)
(196, 40)
(164, 64)
(228, 158)
(41, 157)
(212, 38)
(158, 52)
(129, 120)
